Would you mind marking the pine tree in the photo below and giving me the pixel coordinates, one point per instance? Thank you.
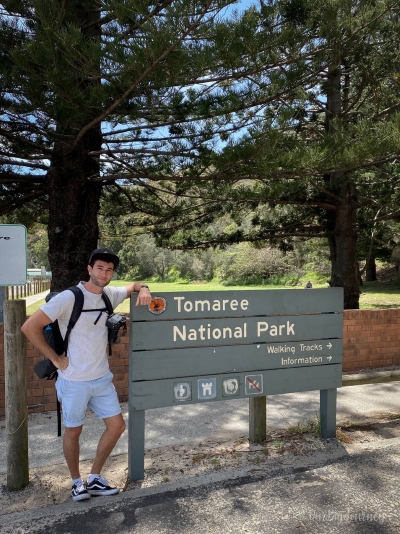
(311, 139)
(84, 84)
(285, 114)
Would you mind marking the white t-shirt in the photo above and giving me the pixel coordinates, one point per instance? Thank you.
(87, 343)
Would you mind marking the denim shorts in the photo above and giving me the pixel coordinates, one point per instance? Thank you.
(76, 397)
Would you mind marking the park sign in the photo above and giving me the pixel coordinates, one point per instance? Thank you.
(283, 340)
(199, 347)
(13, 264)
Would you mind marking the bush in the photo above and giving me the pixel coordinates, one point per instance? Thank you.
(248, 265)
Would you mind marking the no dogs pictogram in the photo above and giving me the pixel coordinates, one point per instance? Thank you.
(253, 384)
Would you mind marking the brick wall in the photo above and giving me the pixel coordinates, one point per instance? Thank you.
(42, 392)
(371, 339)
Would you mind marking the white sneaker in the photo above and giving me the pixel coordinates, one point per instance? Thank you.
(79, 492)
(100, 486)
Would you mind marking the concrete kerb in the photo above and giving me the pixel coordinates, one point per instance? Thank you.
(371, 376)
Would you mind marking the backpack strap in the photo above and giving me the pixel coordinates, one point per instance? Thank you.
(76, 312)
(108, 307)
(110, 311)
(58, 403)
(107, 302)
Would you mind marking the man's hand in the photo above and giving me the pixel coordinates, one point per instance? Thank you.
(33, 329)
(61, 363)
(144, 297)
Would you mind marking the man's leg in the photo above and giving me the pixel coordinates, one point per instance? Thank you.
(104, 402)
(115, 426)
(74, 398)
(71, 449)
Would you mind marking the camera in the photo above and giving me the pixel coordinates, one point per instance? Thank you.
(114, 323)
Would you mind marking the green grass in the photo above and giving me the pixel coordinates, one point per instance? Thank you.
(312, 426)
(374, 295)
(378, 295)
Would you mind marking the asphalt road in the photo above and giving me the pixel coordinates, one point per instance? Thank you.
(332, 493)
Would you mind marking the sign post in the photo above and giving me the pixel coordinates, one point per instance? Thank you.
(13, 272)
(2, 300)
(201, 347)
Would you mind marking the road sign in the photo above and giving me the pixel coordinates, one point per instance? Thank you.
(248, 303)
(219, 335)
(203, 347)
(158, 393)
(13, 264)
(169, 363)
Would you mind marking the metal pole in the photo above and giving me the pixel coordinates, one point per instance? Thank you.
(16, 396)
(327, 410)
(136, 444)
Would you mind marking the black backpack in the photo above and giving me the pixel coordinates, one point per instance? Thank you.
(46, 369)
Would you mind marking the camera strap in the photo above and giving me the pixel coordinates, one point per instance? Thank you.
(101, 310)
(108, 308)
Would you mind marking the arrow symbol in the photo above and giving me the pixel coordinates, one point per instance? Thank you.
(329, 358)
(329, 345)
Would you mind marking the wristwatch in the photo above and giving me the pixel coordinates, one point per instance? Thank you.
(143, 285)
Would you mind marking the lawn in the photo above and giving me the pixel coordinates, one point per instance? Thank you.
(378, 295)
(374, 295)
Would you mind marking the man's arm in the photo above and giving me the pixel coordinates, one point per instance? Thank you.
(33, 329)
(144, 296)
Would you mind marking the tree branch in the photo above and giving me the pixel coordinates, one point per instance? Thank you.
(144, 74)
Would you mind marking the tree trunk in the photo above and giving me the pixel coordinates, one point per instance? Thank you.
(74, 200)
(370, 270)
(74, 203)
(342, 235)
(342, 242)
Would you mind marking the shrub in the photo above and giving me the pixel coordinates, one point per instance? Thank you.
(249, 265)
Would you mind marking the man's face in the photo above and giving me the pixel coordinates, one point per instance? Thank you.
(101, 273)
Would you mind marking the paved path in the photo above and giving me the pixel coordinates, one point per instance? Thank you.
(34, 298)
(197, 422)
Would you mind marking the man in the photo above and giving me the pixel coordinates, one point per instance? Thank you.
(84, 377)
